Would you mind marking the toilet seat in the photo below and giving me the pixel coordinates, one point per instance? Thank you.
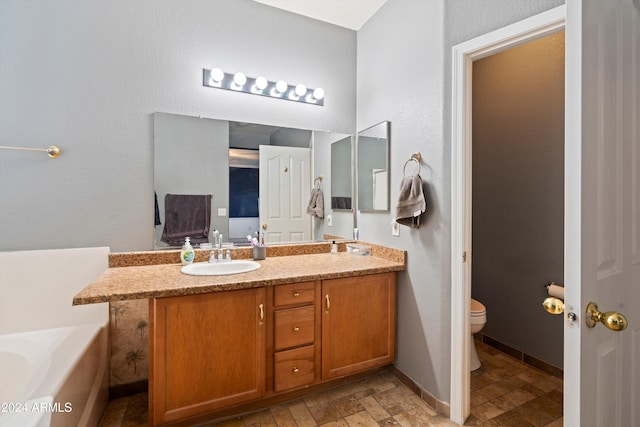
(477, 308)
(478, 314)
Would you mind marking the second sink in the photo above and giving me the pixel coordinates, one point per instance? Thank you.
(220, 268)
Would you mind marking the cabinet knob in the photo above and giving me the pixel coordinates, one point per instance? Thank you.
(296, 293)
(296, 329)
(295, 370)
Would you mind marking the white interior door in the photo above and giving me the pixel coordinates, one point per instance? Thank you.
(602, 205)
(285, 182)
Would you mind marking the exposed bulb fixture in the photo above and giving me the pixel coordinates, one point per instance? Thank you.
(217, 75)
(301, 90)
(281, 86)
(240, 79)
(239, 82)
(261, 83)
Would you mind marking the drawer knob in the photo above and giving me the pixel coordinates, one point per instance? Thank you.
(296, 329)
(295, 370)
(296, 293)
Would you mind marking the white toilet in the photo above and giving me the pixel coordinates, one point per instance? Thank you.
(478, 318)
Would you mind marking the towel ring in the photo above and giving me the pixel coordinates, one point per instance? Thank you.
(415, 157)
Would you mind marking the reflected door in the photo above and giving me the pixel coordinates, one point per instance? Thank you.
(285, 181)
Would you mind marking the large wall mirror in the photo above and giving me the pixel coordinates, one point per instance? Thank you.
(373, 168)
(222, 162)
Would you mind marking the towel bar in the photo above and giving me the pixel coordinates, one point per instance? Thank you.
(52, 151)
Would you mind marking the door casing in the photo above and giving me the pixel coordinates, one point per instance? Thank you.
(463, 55)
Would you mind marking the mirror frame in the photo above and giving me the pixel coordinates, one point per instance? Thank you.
(387, 131)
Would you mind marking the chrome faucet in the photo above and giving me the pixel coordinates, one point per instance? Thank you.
(218, 253)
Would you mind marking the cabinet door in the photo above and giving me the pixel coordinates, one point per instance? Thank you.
(358, 323)
(208, 351)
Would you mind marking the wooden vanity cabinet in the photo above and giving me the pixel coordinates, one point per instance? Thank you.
(358, 324)
(242, 348)
(206, 352)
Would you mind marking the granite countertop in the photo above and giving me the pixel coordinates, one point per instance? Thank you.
(153, 281)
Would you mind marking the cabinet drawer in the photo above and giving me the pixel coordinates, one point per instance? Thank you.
(295, 293)
(294, 327)
(294, 368)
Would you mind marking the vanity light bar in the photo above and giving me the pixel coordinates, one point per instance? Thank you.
(261, 86)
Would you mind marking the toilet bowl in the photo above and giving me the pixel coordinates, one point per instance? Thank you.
(477, 317)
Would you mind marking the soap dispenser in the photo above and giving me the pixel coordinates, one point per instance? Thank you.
(187, 254)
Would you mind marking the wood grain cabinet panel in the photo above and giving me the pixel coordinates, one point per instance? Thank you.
(294, 368)
(358, 324)
(208, 352)
(294, 327)
(295, 293)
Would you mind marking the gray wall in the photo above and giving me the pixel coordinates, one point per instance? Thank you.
(518, 197)
(413, 39)
(87, 76)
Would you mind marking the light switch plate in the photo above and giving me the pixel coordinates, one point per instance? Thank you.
(222, 211)
(395, 228)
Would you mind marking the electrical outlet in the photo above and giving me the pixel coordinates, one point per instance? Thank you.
(395, 228)
(222, 211)
(329, 221)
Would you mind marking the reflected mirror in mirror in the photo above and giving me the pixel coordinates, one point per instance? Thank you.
(373, 168)
(200, 156)
(341, 174)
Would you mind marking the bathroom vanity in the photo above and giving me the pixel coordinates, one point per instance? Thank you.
(223, 345)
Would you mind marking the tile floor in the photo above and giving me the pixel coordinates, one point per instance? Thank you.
(505, 392)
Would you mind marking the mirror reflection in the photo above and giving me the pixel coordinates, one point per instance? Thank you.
(257, 177)
(373, 168)
(341, 174)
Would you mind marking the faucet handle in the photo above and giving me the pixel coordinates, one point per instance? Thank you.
(228, 257)
(212, 255)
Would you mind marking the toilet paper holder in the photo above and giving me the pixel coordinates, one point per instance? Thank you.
(554, 304)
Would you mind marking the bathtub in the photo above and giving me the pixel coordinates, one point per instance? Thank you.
(53, 356)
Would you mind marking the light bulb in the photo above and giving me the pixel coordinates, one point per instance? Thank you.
(261, 83)
(217, 75)
(318, 93)
(301, 90)
(240, 79)
(281, 86)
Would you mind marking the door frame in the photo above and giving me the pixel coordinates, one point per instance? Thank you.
(463, 55)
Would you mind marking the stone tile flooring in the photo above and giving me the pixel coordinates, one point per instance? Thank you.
(504, 392)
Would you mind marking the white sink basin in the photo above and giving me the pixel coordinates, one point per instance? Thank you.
(220, 268)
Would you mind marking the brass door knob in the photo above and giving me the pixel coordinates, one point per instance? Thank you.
(264, 226)
(553, 305)
(611, 319)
